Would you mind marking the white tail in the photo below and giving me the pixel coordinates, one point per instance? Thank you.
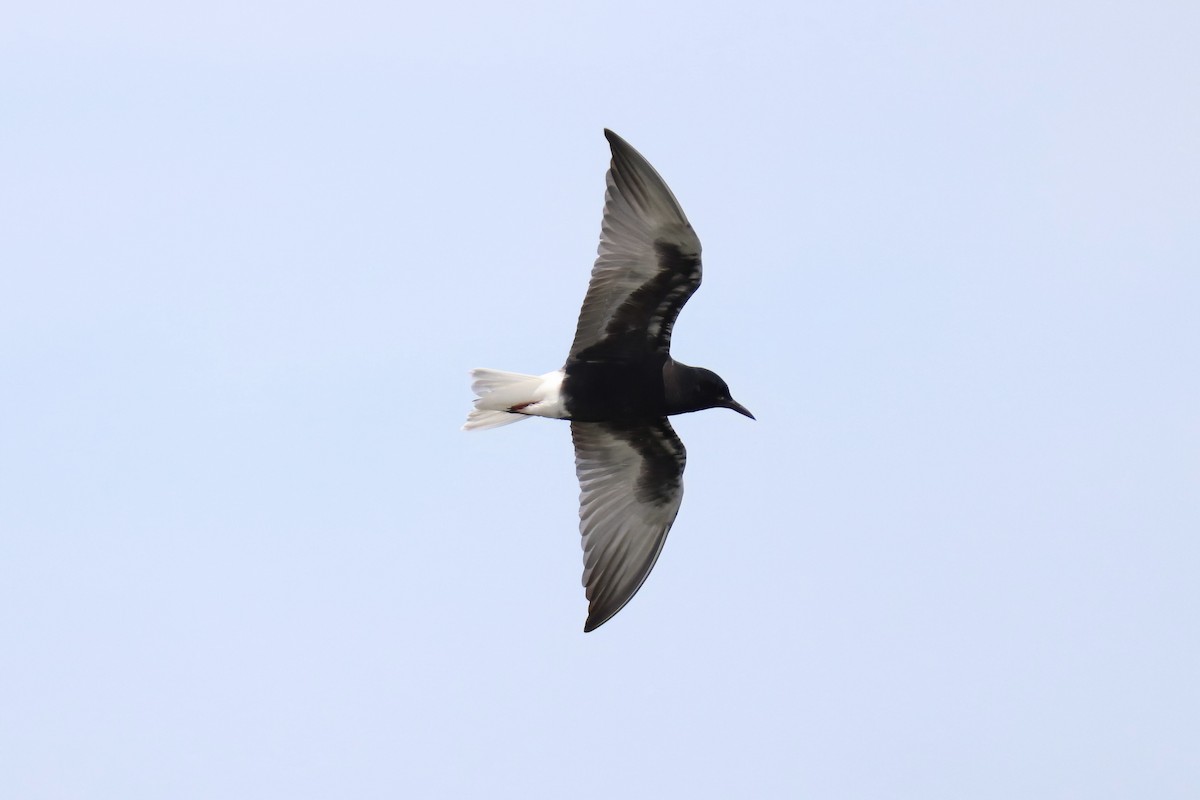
(482, 420)
(500, 391)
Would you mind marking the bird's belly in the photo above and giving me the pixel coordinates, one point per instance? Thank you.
(606, 391)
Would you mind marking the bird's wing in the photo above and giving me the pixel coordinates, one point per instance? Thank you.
(648, 264)
(630, 488)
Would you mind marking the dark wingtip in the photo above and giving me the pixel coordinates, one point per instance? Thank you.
(616, 142)
(596, 617)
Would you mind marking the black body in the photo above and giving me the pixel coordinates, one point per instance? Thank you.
(640, 389)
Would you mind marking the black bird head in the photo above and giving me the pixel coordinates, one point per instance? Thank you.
(696, 388)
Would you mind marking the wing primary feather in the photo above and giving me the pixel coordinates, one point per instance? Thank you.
(648, 262)
(631, 486)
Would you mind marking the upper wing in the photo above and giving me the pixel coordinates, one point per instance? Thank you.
(630, 488)
(648, 263)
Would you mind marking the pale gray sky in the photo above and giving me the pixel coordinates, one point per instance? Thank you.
(249, 251)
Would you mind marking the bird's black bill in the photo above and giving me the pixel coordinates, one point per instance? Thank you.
(738, 407)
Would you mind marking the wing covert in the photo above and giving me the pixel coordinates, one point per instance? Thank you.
(648, 261)
(631, 486)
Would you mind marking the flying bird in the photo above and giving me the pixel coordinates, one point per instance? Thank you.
(619, 384)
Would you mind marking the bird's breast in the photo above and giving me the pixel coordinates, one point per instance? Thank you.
(614, 390)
